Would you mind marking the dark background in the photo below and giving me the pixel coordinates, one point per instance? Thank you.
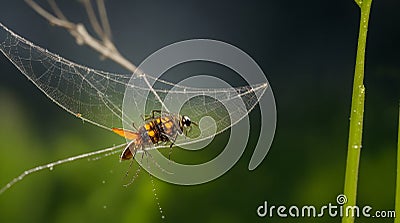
(307, 50)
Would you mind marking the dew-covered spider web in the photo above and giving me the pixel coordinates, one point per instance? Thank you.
(97, 96)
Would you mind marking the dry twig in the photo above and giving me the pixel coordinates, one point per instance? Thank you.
(102, 44)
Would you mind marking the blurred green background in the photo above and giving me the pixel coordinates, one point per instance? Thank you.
(307, 50)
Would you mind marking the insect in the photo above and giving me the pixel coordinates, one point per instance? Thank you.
(160, 128)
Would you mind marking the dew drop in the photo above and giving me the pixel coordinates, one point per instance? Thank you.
(103, 182)
(51, 167)
(162, 216)
(105, 206)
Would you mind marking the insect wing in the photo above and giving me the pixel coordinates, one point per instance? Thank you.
(126, 133)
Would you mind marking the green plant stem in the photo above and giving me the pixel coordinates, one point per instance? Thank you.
(397, 219)
(357, 114)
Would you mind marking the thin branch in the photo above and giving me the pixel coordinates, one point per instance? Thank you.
(104, 18)
(93, 19)
(64, 23)
(84, 38)
(104, 35)
(56, 9)
(112, 54)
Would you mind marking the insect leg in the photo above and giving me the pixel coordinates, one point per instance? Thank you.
(141, 159)
(151, 115)
(155, 111)
(133, 125)
(170, 147)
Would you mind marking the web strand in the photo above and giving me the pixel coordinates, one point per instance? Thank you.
(51, 165)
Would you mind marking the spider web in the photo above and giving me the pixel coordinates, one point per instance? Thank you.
(97, 96)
